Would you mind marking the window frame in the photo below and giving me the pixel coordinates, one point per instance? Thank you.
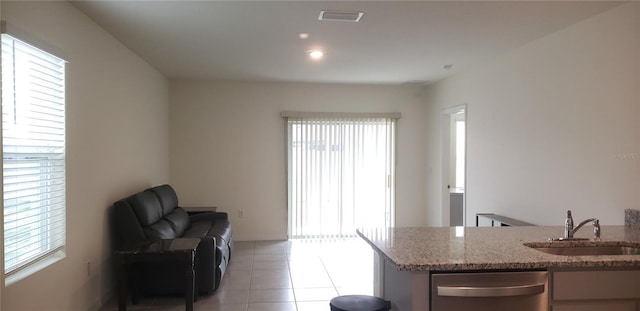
(322, 139)
(58, 251)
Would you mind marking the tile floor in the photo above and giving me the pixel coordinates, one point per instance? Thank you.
(298, 275)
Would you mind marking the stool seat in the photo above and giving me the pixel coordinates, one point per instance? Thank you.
(359, 303)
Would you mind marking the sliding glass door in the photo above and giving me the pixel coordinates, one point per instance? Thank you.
(340, 174)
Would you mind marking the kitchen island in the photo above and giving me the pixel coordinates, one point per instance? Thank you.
(407, 258)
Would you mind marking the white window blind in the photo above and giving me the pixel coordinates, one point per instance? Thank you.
(340, 174)
(33, 153)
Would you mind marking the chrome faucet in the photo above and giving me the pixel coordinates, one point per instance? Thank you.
(569, 230)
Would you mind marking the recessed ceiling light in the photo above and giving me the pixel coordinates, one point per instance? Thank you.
(316, 54)
(303, 35)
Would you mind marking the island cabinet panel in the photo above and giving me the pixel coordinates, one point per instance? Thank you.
(596, 306)
(595, 290)
(407, 258)
(406, 290)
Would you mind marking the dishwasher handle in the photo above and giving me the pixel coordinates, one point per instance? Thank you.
(498, 291)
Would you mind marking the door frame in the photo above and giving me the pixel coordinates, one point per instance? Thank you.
(445, 130)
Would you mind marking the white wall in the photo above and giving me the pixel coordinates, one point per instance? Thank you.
(117, 144)
(549, 125)
(228, 146)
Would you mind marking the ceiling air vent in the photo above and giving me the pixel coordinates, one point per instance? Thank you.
(340, 16)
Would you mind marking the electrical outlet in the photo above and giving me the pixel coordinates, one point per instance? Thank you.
(240, 214)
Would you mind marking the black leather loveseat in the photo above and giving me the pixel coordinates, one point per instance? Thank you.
(154, 214)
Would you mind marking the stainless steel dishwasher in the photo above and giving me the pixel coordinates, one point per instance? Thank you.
(522, 291)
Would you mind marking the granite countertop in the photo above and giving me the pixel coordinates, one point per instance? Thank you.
(491, 248)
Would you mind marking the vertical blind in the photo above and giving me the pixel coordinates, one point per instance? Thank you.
(33, 153)
(340, 174)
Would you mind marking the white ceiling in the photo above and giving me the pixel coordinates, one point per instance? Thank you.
(395, 42)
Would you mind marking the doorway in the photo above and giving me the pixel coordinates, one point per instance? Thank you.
(454, 159)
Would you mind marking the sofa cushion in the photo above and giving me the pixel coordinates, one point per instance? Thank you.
(146, 207)
(197, 229)
(221, 226)
(167, 197)
(179, 221)
(160, 230)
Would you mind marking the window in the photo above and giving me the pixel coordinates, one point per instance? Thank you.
(33, 153)
(340, 173)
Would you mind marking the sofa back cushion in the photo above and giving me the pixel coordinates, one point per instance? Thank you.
(159, 230)
(178, 220)
(146, 207)
(167, 197)
(149, 215)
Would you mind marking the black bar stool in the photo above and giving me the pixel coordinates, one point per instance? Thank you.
(359, 303)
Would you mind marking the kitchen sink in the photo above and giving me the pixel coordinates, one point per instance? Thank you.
(586, 249)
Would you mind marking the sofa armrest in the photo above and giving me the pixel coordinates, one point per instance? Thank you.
(200, 209)
(206, 264)
(215, 216)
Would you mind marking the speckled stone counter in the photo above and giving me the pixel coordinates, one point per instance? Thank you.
(491, 248)
(632, 218)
